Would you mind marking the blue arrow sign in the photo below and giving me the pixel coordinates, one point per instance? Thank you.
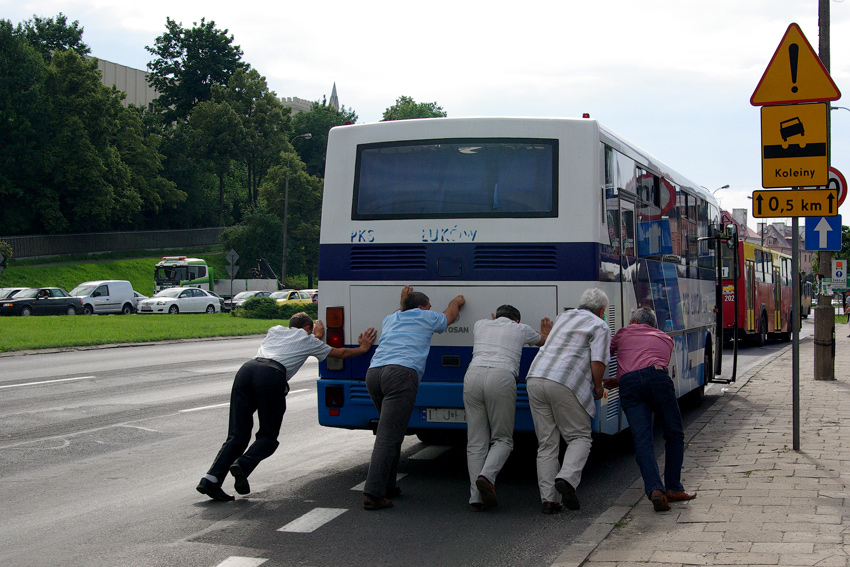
(823, 233)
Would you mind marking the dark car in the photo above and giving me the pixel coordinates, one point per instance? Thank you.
(241, 297)
(41, 301)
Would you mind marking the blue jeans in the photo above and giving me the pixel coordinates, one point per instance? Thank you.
(643, 392)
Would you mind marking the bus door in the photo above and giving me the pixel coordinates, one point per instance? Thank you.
(628, 253)
(751, 295)
(777, 300)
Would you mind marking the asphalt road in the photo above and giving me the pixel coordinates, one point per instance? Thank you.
(100, 450)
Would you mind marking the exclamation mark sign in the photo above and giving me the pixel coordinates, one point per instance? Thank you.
(793, 53)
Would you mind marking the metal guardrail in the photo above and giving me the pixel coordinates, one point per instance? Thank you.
(37, 246)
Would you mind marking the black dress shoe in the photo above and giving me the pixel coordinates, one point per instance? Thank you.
(553, 507)
(488, 492)
(213, 490)
(568, 493)
(373, 503)
(241, 485)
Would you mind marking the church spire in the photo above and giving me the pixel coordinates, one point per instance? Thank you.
(334, 101)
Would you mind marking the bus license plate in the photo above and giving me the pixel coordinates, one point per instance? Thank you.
(446, 415)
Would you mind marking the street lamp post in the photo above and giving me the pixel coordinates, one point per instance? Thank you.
(719, 188)
(306, 136)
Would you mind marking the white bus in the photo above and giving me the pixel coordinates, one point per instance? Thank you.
(520, 211)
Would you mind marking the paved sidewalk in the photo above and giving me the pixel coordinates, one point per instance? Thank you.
(758, 502)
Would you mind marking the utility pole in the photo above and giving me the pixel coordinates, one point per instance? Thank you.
(824, 312)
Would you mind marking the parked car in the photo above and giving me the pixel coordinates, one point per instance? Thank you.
(41, 301)
(7, 292)
(175, 300)
(291, 296)
(137, 297)
(241, 297)
(313, 293)
(220, 300)
(105, 296)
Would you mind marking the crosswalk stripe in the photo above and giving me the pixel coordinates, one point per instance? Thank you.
(312, 520)
(362, 485)
(430, 452)
(236, 561)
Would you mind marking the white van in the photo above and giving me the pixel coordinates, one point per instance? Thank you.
(106, 296)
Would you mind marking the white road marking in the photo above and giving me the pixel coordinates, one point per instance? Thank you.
(204, 408)
(139, 427)
(362, 485)
(236, 561)
(430, 452)
(301, 390)
(47, 382)
(312, 520)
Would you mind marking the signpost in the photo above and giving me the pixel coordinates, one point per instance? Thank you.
(839, 275)
(795, 149)
(795, 203)
(231, 267)
(794, 140)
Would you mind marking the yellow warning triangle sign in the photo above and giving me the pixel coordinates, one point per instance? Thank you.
(795, 74)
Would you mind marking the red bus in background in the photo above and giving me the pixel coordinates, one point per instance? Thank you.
(766, 296)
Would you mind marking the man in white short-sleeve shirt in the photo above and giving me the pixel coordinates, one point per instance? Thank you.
(489, 397)
(260, 386)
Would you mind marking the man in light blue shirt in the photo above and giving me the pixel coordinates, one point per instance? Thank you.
(393, 380)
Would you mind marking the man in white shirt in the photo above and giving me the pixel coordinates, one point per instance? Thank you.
(260, 386)
(489, 397)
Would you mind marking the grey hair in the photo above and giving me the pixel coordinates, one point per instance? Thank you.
(645, 316)
(593, 300)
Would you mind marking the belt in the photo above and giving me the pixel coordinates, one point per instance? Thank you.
(659, 367)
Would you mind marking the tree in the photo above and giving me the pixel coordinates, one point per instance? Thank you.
(305, 210)
(217, 134)
(318, 122)
(49, 35)
(258, 235)
(266, 125)
(406, 108)
(188, 63)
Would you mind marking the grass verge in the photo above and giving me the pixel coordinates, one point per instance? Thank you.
(24, 333)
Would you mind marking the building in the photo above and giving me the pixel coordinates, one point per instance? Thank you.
(133, 82)
(302, 105)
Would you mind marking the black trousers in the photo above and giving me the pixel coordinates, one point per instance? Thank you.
(260, 386)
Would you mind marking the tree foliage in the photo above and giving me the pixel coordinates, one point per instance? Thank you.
(49, 35)
(406, 108)
(74, 157)
(188, 63)
(318, 122)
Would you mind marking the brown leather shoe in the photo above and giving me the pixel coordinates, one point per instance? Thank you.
(488, 492)
(678, 496)
(553, 507)
(659, 501)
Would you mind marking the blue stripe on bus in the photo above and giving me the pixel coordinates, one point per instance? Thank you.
(565, 261)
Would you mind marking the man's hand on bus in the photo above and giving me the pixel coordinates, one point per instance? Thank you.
(545, 329)
(405, 291)
(367, 337)
(453, 310)
(318, 329)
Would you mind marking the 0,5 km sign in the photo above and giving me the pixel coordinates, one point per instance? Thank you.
(795, 203)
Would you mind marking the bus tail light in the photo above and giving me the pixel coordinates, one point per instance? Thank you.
(334, 398)
(334, 319)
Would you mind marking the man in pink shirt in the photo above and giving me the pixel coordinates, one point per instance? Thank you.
(643, 354)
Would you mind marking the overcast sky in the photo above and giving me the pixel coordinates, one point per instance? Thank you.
(672, 76)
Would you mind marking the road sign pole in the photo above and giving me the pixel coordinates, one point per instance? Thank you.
(795, 322)
(824, 368)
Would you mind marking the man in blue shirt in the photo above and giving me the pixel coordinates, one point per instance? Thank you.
(393, 380)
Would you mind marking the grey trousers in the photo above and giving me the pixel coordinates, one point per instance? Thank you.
(489, 398)
(557, 413)
(393, 390)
